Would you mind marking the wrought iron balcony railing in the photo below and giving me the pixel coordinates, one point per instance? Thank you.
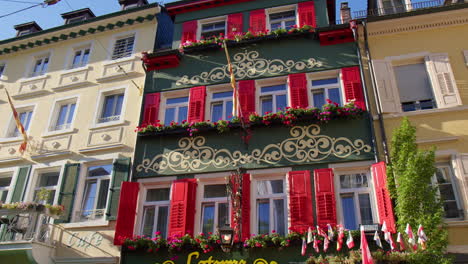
(29, 225)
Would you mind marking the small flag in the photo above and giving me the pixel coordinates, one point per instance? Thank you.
(350, 240)
(330, 232)
(310, 239)
(19, 126)
(422, 238)
(411, 240)
(304, 247)
(400, 241)
(388, 236)
(320, 232)
(316, 245)
(341, 235)
(326, 242)
(365, 251)
(377, 239)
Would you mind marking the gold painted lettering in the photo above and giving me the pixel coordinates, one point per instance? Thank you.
(189, 258)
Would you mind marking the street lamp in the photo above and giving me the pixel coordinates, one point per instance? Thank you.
(227, 234)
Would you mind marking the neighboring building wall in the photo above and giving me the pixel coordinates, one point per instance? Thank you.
(436, 42)
(104, 95)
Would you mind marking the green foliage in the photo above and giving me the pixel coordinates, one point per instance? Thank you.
(409, 182)
(43, 195)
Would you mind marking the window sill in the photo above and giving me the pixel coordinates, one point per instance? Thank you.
(120, 68)
(125, 59)
(59, 132)
(423, 112)
(77, 69)
(35, 78)
(456, 222)
(11, 139)
(107, 124)
(86, 224)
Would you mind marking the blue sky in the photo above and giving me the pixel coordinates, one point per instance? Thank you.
(50, 16)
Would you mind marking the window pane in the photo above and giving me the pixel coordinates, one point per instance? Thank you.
(109, 103)
(446, 192)
(222, 95)
(71, 112)
(5, 181)
(208, 218)
(85, 59)
(279, 214)
(270, 187)
(324, 81)
(45, 64)
(148, 221)
(50, 199)
(275, 26)
(118, 106)
(451, 209)
(228, 110)
(163, 214)
(169, 116)
(102, 196)
(90, 196)
(48, 179)
(281, 102)
(223, 214)
(349, 212)
(3, 195)
(155, 195)
(267, 104)
(76, 59)
(218, 190)
(102, 170)
(177, 100)
(216, 111)
(62, 115)
(273, 88)
(358, 180)
(319, 98)
(182, 114)
(263, 215)
(334, 95)
(290, 23)
(413, 82)
(365, 209)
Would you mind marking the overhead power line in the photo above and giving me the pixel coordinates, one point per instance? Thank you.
(43, 4)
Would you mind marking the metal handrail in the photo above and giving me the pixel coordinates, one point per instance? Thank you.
(24, 225)
(399, 9)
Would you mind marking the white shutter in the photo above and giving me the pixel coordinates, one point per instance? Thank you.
(442, 80)
(386, 86)
(460, 166)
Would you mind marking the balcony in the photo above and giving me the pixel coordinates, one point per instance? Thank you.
(27, 233)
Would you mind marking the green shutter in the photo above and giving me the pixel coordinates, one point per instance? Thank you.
(21, 180)
(120, 173)
(67, 191)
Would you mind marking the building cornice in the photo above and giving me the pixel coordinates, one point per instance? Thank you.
(76, 30)
(417, 23)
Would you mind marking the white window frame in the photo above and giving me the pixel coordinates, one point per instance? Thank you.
(156, 206)
(54, 115)
(259, 84)
(130, 6)
(216, 201)
(11, 125)
(172, 95)
(76, 19)
(71, 55)
(210, 101)
(119, 36)
(37, 172)
(356, 191)
(100, 106)
(325, 75)
(280, 9)
(269, 174)
(42, 57)
(453, 182)
(24, 32)
(211, 20)
(9, 188)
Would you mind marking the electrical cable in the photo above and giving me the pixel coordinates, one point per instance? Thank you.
(12, 13)
(21, 2)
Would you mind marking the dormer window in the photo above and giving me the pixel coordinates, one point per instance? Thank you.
(24, 32)
(129, 4)
(27, 28)
(77, 16)
(76, 19)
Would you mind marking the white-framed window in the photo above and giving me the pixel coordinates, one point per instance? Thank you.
(414, 87)
(221, 106)
(76, 19)
(63, 115)
(123, 47)
(156, 212)
(130, 6)
(392, 6)
(25, 116)
(446, 189)
(273, 98)
(176, 110)
(112, 108)
(80, 57)
(48, 181)
(326, 88)
(212, 27)
(214, 208)
(5, 186)
(284, 19)
(270, 198)
(356, 200)
(41, 63)
(96, 191)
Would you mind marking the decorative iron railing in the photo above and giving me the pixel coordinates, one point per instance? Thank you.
(25, 225)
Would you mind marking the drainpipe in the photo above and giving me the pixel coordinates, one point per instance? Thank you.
(377, 95)
(353, 25)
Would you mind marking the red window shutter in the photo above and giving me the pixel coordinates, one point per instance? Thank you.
(245, 206)
(189, 31)
(300, 201)
(384, 203)
(306, 11)
(247, 97)
(196, 109)
(325, 197)
(234, 24)
(353, 86)
(298, 90)
(151, 109)
(126, 212)
(257, 21)
(182, 212)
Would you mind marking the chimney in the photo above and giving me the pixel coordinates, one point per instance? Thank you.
(77, 16)
(129, 4)
(27, 28)
(345, 13)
